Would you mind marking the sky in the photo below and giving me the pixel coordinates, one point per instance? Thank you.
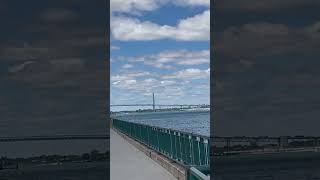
(52, 69)
(161, 47)
(266, 67)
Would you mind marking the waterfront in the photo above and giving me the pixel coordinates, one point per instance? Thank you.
(188, 121)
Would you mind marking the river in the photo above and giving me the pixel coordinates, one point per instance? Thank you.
(66, 171)
(279, 166)
(197, 122)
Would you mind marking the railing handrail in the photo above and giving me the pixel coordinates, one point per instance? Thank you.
(170, 129)
(199, 174)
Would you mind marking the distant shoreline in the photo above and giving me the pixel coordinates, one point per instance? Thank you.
(164, 110)
(16, 163)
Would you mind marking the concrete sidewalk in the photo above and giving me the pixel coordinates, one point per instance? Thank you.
(128, 163)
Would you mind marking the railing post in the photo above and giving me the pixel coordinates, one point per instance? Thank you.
(180, 150)
(171, 150)
(175, 144)
(148, 136)
(158, 140)
(207, 155)
(191, 149)
(199, 150)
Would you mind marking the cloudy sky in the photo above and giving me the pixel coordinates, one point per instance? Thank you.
(52, 67)
(161, 47)
(52, 74)
(267, 78)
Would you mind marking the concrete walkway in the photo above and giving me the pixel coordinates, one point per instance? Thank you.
(128, 163)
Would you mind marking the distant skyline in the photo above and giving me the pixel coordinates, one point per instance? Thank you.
(160, 47)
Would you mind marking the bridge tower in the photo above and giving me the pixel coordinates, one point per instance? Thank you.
(153, 103)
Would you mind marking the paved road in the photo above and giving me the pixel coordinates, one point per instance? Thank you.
(128, 163)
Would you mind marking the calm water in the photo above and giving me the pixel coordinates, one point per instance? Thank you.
(62, 147)
(188, 121)
(282, 166)
(67, 171)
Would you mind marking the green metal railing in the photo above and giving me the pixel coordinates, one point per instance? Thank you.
(199, 173)
(185, 148)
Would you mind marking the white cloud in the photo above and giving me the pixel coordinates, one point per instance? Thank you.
(19, 67)
(143, 82)
(147, 86)
(129, 76)
(192, 2)
(27, 52)
(196, 28)
(189, 74)
(180, 56)
(130, 81)
(263, 5)
(159, 65)
(176, 87)
(267, 39)
(115, 48)
(58, 15)
(68, 64)
(127, 66)
(194, 61)
(167, 82)
(137, 6)
(166, 59)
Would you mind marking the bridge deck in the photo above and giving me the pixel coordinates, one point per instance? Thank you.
(127, 162)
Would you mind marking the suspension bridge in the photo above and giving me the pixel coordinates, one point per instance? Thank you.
(154, 105)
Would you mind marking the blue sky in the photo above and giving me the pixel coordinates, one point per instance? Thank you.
(160, 47)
